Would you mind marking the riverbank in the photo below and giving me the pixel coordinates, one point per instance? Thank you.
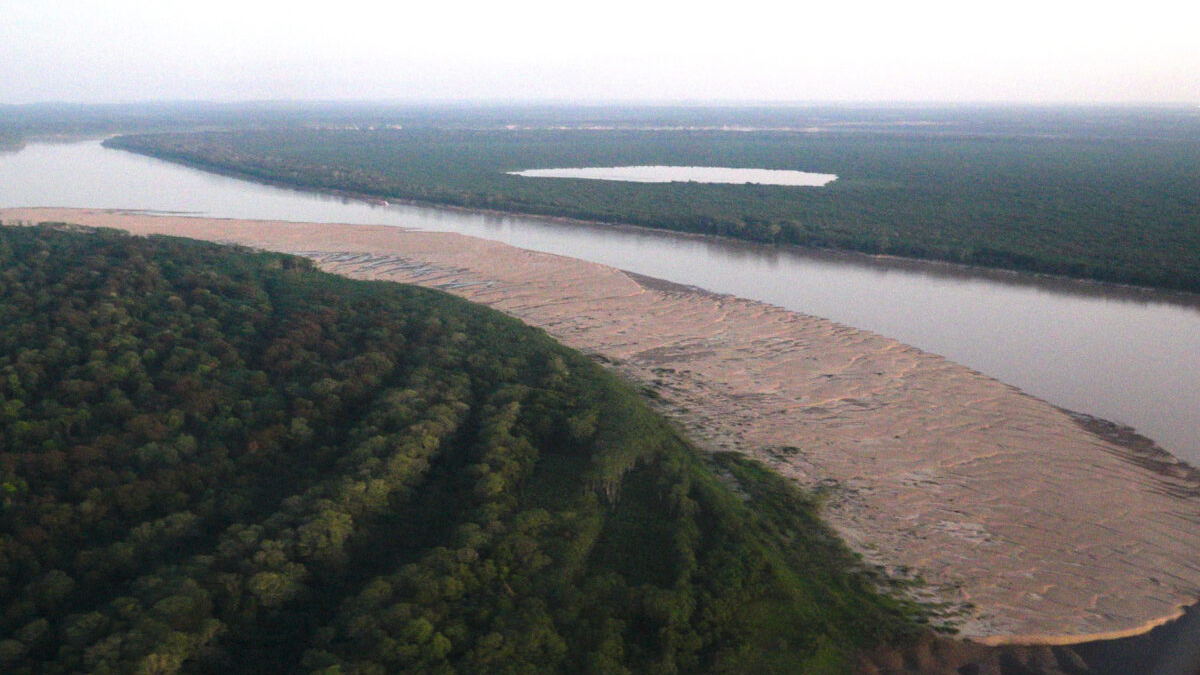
(1006, 507)
(954, 199)
(926, 265)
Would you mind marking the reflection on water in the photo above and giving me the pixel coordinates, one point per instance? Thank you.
(1122, 354)
(695, 174)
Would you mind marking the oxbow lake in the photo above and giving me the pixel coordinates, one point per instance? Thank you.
(1123, 354)
(694, 174)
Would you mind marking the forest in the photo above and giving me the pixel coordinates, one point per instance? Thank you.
(220, 461)
(1110, 198)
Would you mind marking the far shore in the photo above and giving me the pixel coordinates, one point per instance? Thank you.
(932, 265)
(1034, 525)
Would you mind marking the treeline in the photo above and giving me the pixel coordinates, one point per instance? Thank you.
(1109, 202)
(217, 461)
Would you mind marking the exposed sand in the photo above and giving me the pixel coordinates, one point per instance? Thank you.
(1053, 533)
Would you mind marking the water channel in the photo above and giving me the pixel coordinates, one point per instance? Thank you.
(1123, 354)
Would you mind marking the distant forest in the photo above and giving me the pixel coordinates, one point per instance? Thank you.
(1110, 197)
(217, 461)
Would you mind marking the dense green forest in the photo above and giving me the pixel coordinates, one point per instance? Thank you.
(1101, 195)
(218, 461)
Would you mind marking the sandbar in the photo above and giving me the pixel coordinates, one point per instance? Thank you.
(1034, 524)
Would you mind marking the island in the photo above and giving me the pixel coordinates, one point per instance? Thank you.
(1020, 516)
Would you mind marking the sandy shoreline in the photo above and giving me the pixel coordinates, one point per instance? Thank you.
(1054, 533)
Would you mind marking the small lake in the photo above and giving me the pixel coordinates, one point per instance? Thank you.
(684, 174)
(1122, 354)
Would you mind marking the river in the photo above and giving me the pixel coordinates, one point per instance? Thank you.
(1123, 354)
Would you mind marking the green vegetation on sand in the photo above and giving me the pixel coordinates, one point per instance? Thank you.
(217, 461)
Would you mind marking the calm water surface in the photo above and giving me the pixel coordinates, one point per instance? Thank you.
(1124, 355)
(695, 174)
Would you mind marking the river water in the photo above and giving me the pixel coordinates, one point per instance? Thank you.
(1122, 354)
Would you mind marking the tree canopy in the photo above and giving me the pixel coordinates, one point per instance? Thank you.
(213, 460)
(1110, 198)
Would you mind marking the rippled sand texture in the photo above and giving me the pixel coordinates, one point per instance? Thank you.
(993, 497)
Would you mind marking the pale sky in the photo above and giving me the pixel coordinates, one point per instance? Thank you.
(1024, 51)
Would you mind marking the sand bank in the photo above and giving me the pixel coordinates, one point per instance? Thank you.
(1041, 529)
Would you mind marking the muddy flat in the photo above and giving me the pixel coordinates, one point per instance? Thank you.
(1041, 526)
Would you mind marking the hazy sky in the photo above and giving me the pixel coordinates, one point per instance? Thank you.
(611, 50)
